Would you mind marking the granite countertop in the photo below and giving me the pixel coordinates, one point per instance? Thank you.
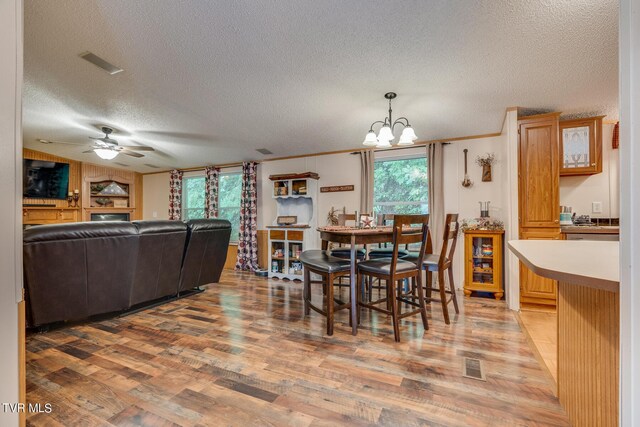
(579, 262)
(590, 229)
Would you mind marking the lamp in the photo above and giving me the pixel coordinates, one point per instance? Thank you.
(385, 136)
(105, 153)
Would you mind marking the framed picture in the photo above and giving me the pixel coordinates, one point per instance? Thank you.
(581, 146)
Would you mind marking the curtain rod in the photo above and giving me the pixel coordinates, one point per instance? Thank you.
(381, 150)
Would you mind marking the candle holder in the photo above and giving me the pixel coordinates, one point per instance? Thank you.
(69, 201)
(76, 197)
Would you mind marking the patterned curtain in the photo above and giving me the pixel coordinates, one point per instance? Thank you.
(248, 238)
(175, 195)
(211, 177)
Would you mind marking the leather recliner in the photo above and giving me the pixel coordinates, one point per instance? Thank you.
(159, 260)
(202, 263)
(73, 271)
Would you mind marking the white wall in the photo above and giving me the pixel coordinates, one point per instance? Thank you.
(155, 196)
(334, 169)
(465, 201)
(580, 191)
(10, 188)
(629, 212)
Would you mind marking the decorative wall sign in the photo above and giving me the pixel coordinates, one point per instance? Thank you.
(336, 188)
(287, 220)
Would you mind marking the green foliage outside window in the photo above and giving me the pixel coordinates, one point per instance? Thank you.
(229, 193)
(193, 193)
(230, 186)
(400, 186)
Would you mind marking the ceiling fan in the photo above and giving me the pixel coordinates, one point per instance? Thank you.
(107, 148)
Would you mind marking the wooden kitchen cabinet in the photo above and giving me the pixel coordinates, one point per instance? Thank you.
(581, 146)
(539, 173)
(536, 289)
(539, 196)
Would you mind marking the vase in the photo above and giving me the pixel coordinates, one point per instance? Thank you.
(486, 173)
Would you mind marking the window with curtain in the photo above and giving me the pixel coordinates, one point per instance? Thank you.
(229, 192)
(229, 201)
(193, 197)
(400, 186)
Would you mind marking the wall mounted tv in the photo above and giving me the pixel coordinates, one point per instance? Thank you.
(45, 180)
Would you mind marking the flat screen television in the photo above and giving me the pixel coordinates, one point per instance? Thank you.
(45, 180)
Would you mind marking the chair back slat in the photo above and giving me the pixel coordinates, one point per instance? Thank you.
(344, 217)
(409, 229)
(450, 237)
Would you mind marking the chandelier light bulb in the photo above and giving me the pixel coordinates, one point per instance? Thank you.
(385, 134)
(409, 134)
(370, 140)
(383, 143)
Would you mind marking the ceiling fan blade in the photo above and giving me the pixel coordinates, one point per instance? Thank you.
(89, 151)
(47, 141)
(137, 148)
(132, 153)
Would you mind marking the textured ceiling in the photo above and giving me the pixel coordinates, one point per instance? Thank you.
(208, 82)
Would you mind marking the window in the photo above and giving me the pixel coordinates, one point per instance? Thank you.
(193, 197)
(400, 186)
(230, 187)
(194, 190)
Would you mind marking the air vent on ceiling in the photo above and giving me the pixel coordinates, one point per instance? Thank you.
(264, 151)
(101, 63)
(121, 164)
(472, 368)
(149, 165)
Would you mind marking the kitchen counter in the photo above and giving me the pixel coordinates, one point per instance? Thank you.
(588, 310)
(584, 262)
(591, 229)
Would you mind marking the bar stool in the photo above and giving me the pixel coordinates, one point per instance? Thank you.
(439, 263)
(395, 270)
(329, 268)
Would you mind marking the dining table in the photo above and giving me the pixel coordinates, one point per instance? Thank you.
(354, 236)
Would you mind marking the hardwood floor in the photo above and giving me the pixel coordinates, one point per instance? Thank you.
(542, 327)
(241, 353)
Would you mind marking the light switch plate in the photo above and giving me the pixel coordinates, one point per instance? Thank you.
(155, 214)
(596, 207)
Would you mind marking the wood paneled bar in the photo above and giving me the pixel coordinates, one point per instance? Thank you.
(588, 323)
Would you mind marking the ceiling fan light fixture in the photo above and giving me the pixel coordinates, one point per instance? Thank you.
(106, 153)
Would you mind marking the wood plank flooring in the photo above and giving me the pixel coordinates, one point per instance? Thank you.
(241, 353)
(542, 326)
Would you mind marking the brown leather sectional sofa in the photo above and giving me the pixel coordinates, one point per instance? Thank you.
(75, 271)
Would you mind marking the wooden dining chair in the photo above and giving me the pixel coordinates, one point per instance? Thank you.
(395, 270)
(345, 252)
(384, 250)
(440, 263)
(329, 268)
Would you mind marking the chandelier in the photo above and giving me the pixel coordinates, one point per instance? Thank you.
(385, 136)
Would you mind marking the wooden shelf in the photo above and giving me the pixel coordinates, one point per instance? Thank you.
(483, 257)
(483, 270)
(58, 208)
